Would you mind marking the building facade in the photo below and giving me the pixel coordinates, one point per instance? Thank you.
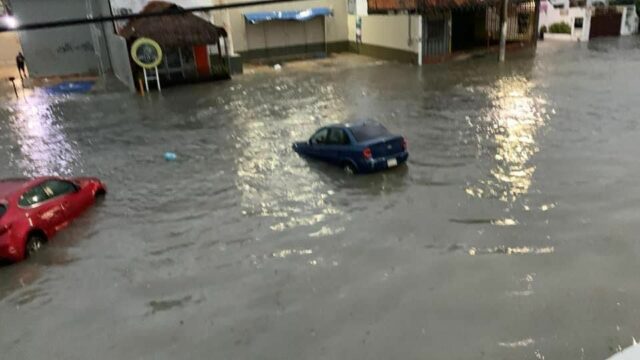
(587, 19)
(80, 49)
(275, 38)
(427, 31)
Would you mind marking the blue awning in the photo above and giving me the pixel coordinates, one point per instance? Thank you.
(297, 15)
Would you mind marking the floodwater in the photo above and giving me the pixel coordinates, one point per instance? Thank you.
(511, 234)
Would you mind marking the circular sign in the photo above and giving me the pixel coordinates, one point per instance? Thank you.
(146, 53)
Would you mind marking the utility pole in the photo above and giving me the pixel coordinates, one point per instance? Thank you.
(503, 29)
(536, 23)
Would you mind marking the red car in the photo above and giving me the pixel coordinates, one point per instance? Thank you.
(32, 211)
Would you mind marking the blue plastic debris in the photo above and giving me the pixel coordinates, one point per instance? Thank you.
(71, 87)
(170, 156)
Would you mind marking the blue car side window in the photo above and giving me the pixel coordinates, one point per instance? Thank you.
(338, 137)
(319, 137)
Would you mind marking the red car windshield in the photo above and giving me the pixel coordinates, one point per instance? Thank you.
(3, 209)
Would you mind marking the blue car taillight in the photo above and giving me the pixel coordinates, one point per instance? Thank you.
(367, 153)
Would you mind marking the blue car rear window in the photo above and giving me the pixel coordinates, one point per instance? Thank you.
(369, 131)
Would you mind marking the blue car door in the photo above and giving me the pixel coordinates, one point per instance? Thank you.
(337, 146)
(318, 144)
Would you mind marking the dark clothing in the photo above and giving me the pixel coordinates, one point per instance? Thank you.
(20, 61)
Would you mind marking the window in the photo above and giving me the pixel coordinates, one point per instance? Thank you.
(3, 209)
(34, 196)
(55, 188)
(319, 137)
(369, 131)
(578, 22)
(338, 137)
(558, 6)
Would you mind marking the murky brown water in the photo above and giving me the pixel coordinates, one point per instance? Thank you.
(511, 234)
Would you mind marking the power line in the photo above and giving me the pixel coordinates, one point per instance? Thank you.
(175, 11)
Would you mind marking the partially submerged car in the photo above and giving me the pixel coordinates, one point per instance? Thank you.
(359, 147)
(32, 211)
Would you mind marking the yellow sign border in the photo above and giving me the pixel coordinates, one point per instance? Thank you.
(146, 41)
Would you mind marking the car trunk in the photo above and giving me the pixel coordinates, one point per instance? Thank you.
(387, 147)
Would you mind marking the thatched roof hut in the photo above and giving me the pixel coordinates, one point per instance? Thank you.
(175, 29)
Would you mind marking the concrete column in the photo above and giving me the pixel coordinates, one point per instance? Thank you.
(503, 29)
(226, 23)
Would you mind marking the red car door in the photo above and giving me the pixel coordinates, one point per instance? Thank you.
(43, 212)
(73, 200)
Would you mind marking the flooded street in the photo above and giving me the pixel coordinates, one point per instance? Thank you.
(512, 233)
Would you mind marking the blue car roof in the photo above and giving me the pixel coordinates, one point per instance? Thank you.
(355, 123)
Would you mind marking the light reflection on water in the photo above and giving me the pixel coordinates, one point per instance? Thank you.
(294, 200)
(40, 138)
(512, 123)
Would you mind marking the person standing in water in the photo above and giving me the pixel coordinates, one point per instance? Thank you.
(20, 63)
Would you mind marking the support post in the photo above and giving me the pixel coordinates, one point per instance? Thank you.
(503, 29)
(158, 80)
(146, 79)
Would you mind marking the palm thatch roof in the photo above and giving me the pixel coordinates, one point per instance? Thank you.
(177, 28)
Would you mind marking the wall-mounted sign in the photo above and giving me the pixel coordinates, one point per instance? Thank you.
(146, 53)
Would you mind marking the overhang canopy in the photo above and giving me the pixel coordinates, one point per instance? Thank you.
(174, 29)
(295, 15)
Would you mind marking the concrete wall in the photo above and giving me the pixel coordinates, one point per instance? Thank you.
(391, 37)
(100, 32)
(9, 48)
(351, 28)
(336, 25)
(392, 31)
(58, 51)
(119, 55)
(629, 24)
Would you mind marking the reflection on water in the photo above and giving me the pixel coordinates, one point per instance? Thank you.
(40, 137)
(264, 139)
(511, 123)
(508, 250)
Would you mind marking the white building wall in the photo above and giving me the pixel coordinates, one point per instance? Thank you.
(400, 32)
(629, 23)
(567, 15)
(351, 29)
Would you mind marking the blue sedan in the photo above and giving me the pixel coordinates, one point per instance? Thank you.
(360, 147)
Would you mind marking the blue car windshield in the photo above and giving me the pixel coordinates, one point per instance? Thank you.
(369, 131)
